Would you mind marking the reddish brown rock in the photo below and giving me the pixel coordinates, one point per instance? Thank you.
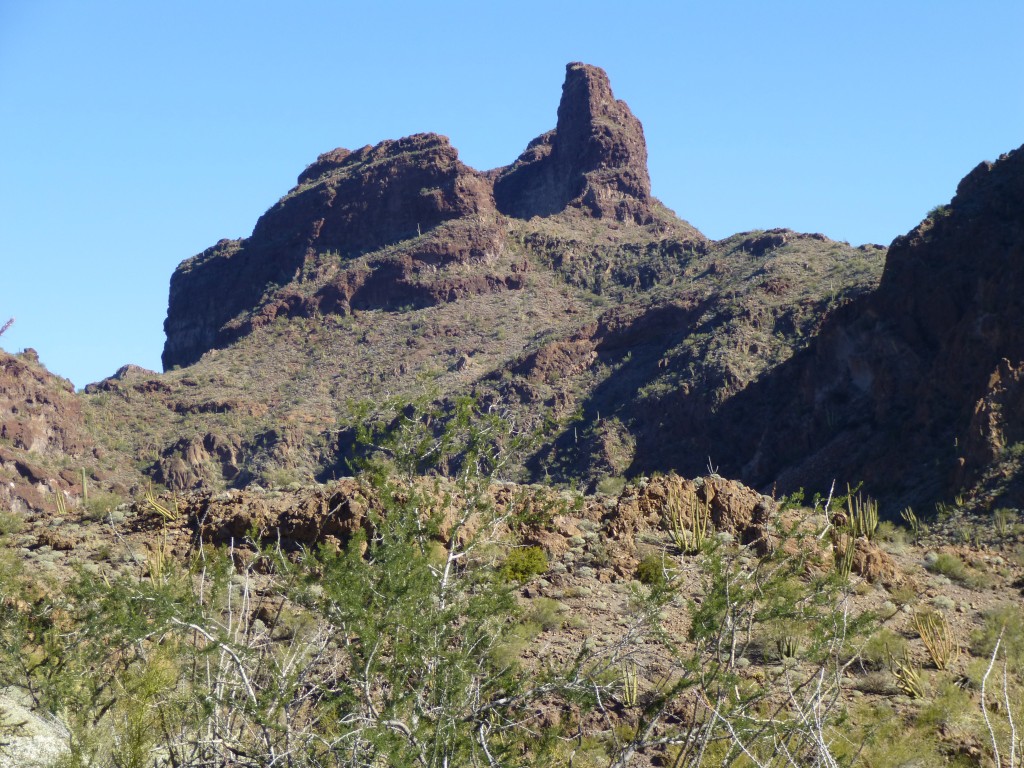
(560, 359)
(40, 422)
(905, 387)
(141, 379)
(595, 160)
(737, 509)
(38, 411)
(345, 203)
(306, 517)
(734, 508)
(874, 564)
(191, 462)
(998, 418)
(55, 540)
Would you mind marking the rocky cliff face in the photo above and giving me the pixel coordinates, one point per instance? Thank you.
(594, 161)
(914, 385)
(345, 203)
(40, 424)
(349, 203)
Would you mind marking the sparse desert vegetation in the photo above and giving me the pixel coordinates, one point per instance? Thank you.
(453, 468)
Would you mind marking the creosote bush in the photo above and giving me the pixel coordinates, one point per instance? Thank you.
(523, 563)
(651, 570)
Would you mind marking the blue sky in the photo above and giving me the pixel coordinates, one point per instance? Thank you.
(136, 134)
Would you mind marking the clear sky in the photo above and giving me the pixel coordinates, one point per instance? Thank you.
(136, 134)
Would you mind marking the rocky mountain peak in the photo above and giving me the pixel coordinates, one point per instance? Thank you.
(345, 203)
(595, 160)
(352, 202)
(589, 114)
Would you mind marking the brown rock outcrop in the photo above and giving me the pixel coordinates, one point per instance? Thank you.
(189, 463)
(896, 384)
(733, 508)
(415, 278)
(998, 419)
(349, 203)
(38, 411)
(307, 517)
(40, 419)
(133, 375)
(345, 203)
(595, 160)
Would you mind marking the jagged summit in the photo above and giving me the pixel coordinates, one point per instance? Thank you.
(349, 203)
(594, 160)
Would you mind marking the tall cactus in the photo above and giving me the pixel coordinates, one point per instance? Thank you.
(689, 534)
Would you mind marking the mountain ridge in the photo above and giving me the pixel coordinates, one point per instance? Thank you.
(352, 202)
(560, 291)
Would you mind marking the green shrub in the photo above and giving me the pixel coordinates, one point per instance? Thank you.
(879, 737)
(881, 646)
(524, 563)
(611, 485)
(10, 523)
(651, 570)
(1009, 622)
(505, 655)
(948, 565)
(950, 706)
(956, 569)
(887, 531)
(547, 613)
(100, 505)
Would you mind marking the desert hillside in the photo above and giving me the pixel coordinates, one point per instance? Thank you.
(459, 467)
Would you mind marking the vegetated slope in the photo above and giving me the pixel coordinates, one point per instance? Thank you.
(648, 377)
(556, 289)
(613, 630)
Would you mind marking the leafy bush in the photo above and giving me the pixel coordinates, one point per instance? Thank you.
(100, 505)
(524, 563)
(651, 570)
(611, 485)
(1008, 622)
(887, 531)
(881, 646)
(10, 523)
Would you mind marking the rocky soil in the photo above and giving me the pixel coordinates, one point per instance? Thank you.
(585, 598)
